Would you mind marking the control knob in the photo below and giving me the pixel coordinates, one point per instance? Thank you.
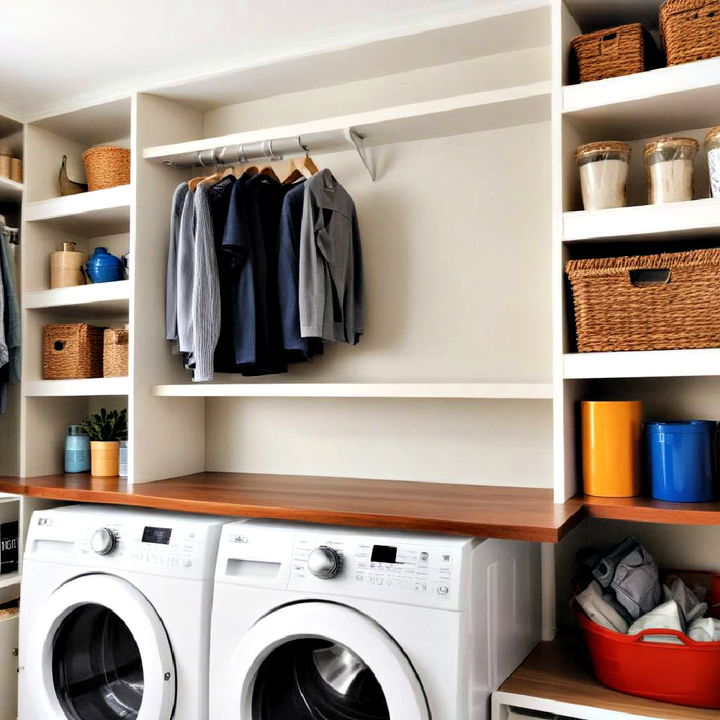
(324, 562)
(103, 541)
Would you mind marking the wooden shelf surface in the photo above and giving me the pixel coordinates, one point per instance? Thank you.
(560, 672)
(644, 509)
(509, 513)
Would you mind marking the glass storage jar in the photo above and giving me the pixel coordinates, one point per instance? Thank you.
(712, 145)
(603, 170)
(670, 169)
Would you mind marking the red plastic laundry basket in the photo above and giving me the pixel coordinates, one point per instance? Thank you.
(687, 674)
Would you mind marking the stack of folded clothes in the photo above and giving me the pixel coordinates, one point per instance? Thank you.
(624, 594)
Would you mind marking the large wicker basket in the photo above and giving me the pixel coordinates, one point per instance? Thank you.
(115, 352)
(690, 30)
(617, 51)
(73, 350)
(106, 166)
(653, 302)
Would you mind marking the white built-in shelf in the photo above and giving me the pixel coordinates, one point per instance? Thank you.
(10, 191)
(76, 388)
(9, 579)
(479, 391)
(93, 300)
(670, 221)
(90, 214)
(668, 100)
(656, 363)
(473, 112)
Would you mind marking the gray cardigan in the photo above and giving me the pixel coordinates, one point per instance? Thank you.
(331, 277)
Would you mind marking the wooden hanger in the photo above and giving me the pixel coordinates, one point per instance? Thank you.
(192, 184)
(301, 168)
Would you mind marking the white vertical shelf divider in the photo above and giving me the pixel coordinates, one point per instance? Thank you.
(166, 439)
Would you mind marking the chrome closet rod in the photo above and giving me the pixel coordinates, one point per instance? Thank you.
(270, 150)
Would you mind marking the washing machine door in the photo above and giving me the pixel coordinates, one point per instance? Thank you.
(320, 661)
(99, 651)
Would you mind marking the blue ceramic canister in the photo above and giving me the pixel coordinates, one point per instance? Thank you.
(103, 267)
(77, 450)
(681, 460)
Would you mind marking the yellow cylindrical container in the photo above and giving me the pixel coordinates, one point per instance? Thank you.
(611, 448)
(105, 458)
(66, 266)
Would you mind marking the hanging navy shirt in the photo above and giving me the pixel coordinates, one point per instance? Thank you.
(297, 348)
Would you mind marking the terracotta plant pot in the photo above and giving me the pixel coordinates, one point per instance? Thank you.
(104, 458)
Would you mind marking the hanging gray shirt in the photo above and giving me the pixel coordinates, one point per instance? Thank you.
(330, 275)
(206, 289)
(185, 275)
(178, 200)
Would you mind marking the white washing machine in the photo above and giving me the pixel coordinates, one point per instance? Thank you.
(328, 623)
(115, 614)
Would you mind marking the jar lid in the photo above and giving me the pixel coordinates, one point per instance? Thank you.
(76, 430)
(665, 143)
(712, 134)
(690, 427)
(606, 146)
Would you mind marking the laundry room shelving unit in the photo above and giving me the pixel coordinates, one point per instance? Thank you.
(91, 219)
(678, 384)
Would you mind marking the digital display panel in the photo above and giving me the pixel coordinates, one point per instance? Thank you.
(383, 554)
(159, 536)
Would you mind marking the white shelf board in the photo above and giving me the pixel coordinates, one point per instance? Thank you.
(9, 579)
(658, 102)
(10, 191)
(479, 391)
(692, 219)
(99, 299)
(88, 387)
(456, 115)
(90, 214)
(654, 363)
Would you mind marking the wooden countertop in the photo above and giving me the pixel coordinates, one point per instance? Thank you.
(509, 513)
(560, 670)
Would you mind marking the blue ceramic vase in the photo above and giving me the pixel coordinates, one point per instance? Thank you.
(104, 267)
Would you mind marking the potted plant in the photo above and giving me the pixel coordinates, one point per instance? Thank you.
(106, 430)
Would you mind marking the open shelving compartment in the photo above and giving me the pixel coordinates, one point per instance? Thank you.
(98, 218)
(421, 108)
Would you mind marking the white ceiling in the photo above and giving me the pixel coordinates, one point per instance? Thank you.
(59, 54)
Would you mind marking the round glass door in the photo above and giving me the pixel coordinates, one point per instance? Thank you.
(319, 661)
(99, 651)
(314, 679)
(96, 666)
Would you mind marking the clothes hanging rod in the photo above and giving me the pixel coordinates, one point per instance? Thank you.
(270, 151)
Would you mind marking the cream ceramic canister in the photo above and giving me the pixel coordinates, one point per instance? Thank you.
(66, 266)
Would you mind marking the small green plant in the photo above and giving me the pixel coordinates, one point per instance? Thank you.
(107, 426)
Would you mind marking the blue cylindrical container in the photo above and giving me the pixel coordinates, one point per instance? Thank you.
(104, 267)
(77, 450)
(681, 460)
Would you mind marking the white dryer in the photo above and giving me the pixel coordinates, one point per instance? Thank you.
(115, 614)
(328, 623)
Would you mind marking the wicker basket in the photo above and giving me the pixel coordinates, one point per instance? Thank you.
(106, 167)
(652, 302)
(617, 51)
(690, 30)
(72, 351)
(115, 352)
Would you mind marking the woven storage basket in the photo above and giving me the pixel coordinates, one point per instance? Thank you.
(690, 30)
(115, 352)
(106, 166)
(617, 51)
(72, 351)
(653, 302)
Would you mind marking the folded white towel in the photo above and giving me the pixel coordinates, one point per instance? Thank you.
(705, 630)
(599, 610)
(665, 616)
